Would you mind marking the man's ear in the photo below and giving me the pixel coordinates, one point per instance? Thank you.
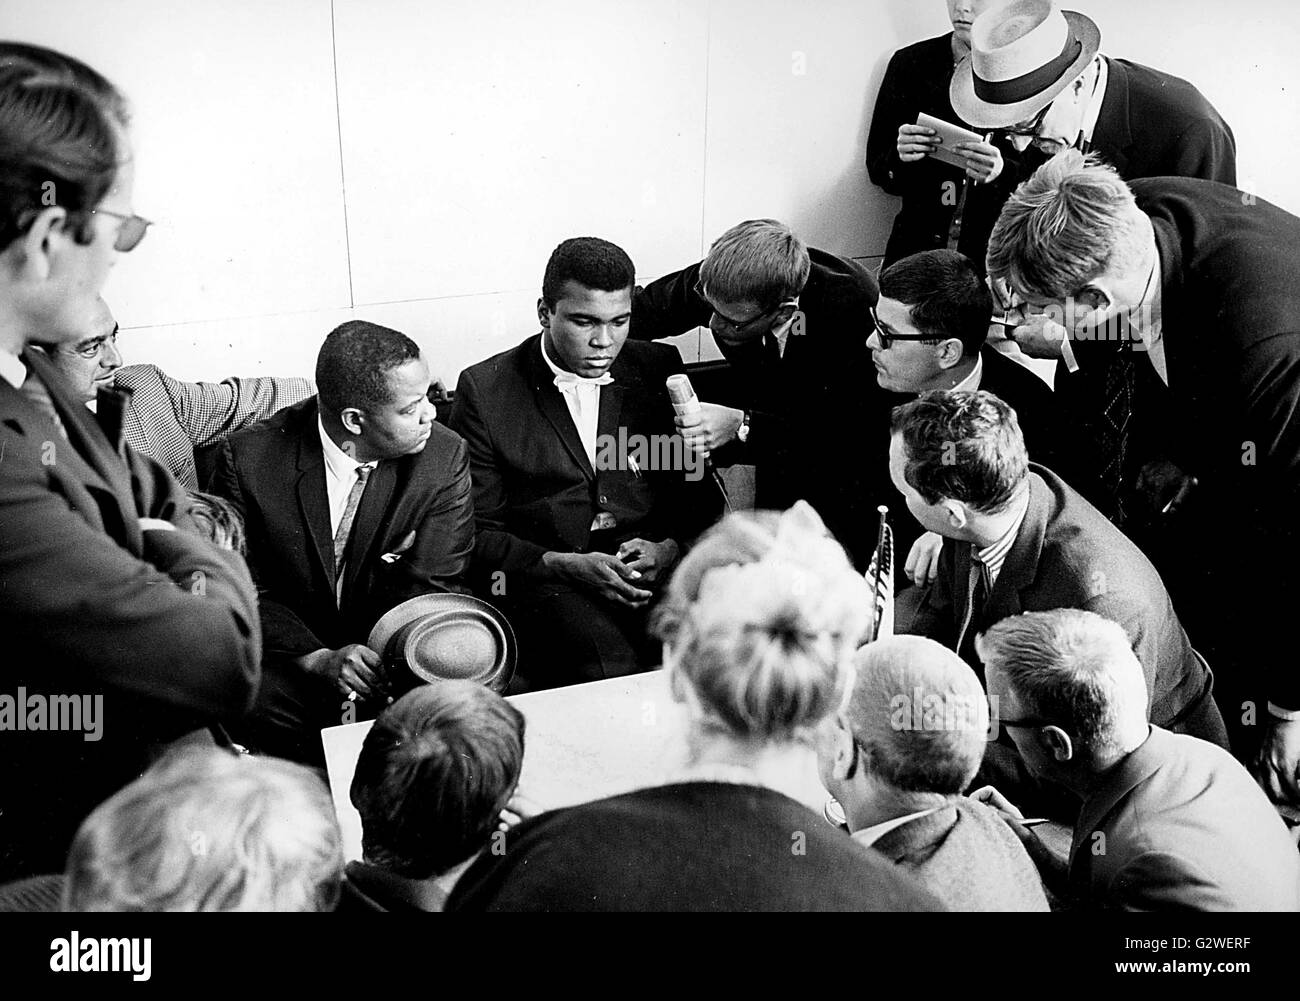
(1097, 297)
(37, 246)
(352, 420)
(949, 352)
(543, 314)
(1058, 743)
(782, 316)
(840, 748)
(958, 516)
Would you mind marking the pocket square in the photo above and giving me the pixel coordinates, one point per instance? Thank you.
(408, 540)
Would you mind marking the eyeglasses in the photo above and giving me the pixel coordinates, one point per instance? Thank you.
(1031, 128)
(1024, 722)
(887, 339)
(130, 233)
(741, 326)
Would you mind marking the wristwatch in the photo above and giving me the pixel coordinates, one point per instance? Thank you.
(742, 432)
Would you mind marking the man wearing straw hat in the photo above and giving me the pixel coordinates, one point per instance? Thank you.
(1035, 74)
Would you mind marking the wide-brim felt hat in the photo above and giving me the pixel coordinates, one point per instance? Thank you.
(445, 636)
(1023, 54)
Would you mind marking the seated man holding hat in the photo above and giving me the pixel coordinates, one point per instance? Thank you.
(354, 501)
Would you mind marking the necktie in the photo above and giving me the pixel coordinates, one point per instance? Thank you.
(35, 391)
(349, 516)
(1112, 430)
(978, 590)
(568, 381)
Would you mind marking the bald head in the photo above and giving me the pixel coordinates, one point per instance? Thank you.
(919, 714)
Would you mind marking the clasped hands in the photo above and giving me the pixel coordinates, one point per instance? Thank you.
(622, 577)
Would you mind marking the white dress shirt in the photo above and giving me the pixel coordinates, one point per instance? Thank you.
(582, 397)
(972, 381)
(868, 836)
(12, 369)
(340, 476)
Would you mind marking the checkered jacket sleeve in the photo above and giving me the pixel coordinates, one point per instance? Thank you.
(168, 419)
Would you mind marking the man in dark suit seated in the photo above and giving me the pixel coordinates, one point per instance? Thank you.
(931, 332)
(1017, 538)
(1168, 822)
(165, 418)
(584, 497)
(123, 628)
(432, 779)
(898, 758)
(1177, 308)
(792, 322)
(353, 502)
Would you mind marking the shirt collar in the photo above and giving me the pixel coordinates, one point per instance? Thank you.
(994, 555)
(868, 836)
(1098, 96)
(12, 369)
(972, 381)
(340, 465)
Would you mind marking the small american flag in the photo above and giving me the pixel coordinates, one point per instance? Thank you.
(880, 575)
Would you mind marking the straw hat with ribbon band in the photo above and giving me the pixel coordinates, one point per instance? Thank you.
(1022, 56)
(448, 636)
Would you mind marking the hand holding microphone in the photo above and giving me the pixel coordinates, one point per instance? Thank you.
(705, 427)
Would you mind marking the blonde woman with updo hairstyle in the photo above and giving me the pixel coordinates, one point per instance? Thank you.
(759, 623)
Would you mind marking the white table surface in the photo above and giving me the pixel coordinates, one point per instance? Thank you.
(581, 743)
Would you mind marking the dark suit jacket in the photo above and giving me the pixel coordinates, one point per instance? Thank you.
(1034, 404)
(1067, 555)
(535, 490)
(161, 624)
(417, 506)
(1180, 825)
(916, 81)
(1231, 332)
(691, 846)
(967, 856)
(820, 426)
(1151, 124)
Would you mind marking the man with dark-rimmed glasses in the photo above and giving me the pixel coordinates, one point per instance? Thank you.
(791, 322)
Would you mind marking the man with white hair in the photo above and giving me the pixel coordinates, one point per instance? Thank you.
(899, 756)
(205, 829)
(1168, 822)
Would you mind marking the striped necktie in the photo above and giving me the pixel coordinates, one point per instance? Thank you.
(349, 516)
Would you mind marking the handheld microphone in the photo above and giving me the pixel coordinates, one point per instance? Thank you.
(687, 404)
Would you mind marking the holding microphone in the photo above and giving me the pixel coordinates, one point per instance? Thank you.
(703, 430)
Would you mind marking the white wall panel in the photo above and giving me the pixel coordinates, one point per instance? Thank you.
(236, 141)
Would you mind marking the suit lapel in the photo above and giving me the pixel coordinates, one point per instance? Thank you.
(313, 498)
(1020, 567)
(370, 516)
(94, 451)
(1113, 135)
(550, 401)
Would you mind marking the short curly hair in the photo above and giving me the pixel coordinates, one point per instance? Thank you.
(963, 446)
(353, 365)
